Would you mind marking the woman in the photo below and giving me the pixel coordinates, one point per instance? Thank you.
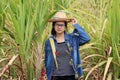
(64, 63)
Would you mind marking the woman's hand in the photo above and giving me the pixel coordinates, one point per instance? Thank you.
(74, 21)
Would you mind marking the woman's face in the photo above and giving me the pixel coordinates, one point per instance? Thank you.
(59, 27)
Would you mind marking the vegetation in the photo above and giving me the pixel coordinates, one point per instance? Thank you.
(24, 29)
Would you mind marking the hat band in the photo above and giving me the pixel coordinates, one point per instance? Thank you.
(56, 17)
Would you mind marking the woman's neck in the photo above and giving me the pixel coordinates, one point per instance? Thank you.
(60, 38)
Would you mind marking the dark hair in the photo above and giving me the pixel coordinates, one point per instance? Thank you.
(53, 32)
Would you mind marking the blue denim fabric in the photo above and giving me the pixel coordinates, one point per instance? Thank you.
(74, 40)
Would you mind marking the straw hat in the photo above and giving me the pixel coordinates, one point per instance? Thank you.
(60, 16)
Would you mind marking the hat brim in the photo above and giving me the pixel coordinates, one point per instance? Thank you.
(60, 20)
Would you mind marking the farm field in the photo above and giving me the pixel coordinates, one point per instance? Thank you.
(24, 29)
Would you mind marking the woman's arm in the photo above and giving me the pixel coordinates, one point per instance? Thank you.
(80, 33)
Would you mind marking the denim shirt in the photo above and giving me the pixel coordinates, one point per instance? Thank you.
(74, 40)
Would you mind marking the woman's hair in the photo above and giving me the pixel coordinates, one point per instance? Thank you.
(53, 32)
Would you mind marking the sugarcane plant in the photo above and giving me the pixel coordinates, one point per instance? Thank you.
(24, 29)
(24, 24)
(114, 18)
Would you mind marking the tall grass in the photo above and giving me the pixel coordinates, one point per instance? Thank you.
(114, 18)
(24, 29)
(25, 21)
(108, 38)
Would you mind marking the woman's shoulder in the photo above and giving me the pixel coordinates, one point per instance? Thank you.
(47, 40)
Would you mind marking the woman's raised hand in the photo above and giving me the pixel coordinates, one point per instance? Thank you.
(74, 21)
